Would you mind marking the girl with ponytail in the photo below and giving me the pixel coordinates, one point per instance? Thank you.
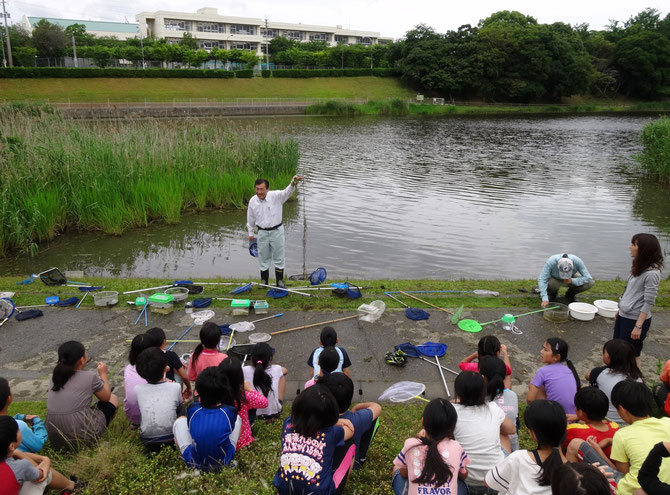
(71, 421)
(493, 370)
(558, 380)
(206, 353)
(529, 472)
(267, 378)
(433, 462)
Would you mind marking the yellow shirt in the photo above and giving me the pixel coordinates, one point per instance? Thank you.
(633, 443)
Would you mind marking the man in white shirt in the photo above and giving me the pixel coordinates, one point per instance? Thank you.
(265, 212)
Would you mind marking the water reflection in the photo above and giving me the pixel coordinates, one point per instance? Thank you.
(408, 198)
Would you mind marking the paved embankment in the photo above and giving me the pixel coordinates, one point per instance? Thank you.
(28, 349)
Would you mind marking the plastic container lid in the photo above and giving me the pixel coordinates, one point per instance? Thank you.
(240, 303)
(161, 298)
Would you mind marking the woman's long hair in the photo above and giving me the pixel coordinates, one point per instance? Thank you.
(261, 354)
(559, 347)
(69, 354)
(546, 419)
(622, 358)
(439, 421)
(649, 254)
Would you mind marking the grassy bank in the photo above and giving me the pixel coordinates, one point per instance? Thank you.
(119, 465)
(655, 157)
(103, 89)
(509, 294)
(402, 107)
(60, 174)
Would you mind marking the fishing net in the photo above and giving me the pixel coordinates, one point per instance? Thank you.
(256, 338)
(346, 289)
(6, 308)
(432, 349)
(277, 293)
(200, 317)
(53, 277)
(71, 301)
(416, 314)
(192, 289)
(470, 326)
(241, 289)
(409, 349)
(225, 329)
(203, 302)
(253, 249)
(318, 276)
(240, 350)
(242, 326)
(372, 312)
(225, 343)
(403, 391)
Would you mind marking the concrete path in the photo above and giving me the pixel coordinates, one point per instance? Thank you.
(28, 349)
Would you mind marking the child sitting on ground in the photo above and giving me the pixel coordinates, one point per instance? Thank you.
(632, 444)
(328, 359)
(364, 416)
(577, 478)
(479, 427)
(308, 442)
(558, 380)
(207, 435)
(620, 364)
(206, 353)
(493, 369)
(268, 379)
(159, 400)
(244, 396)
(530, 471)
(32, 428)
(22, 472)
(328, 338)
(591, 409)
(131, 379)
(488, 345)
(661, 391)
(433, 462)
(175, 364)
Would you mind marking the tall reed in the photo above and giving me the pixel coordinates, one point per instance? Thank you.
(59, 174)
(655, 156)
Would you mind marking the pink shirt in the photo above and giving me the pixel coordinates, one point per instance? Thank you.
(255, 400)
(474, 366)
(130, 406)
(413, 456)
(207, 358)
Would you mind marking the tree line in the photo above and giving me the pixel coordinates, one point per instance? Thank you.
(508, 56)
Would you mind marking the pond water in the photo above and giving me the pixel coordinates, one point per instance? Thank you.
(416, 198)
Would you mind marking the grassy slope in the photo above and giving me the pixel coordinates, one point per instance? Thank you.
(102, 89)
(510, 296)
(120, 464)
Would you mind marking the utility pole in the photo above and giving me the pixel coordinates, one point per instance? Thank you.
(6, 15)
(142, 48)
(74, 52)
(267, 47)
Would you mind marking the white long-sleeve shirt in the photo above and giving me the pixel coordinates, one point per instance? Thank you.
(268, 212)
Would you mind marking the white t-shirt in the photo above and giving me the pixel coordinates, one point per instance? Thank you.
(516, 474)
(275, 373)
(478, 432)
(606, 382)
(158, 408)
(508, 401)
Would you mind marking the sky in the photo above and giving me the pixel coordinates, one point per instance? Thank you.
(392, 18)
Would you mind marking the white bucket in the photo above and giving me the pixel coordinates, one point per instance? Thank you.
(582, 311)
(606, 308)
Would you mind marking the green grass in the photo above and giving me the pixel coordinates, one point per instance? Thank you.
(119, 90)
(402, 107)
(510, 296)
(655, 157)
(120, 465)
(111, 176)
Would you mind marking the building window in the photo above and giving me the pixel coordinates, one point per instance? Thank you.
(242, 29)
(319, 37)
(209, 44)
(383, 42)
(172, 41)
(268, 33)
(363, 40)
(211, 27)
(341, 39)
(294, 35)
(238, 45)
(177, 25)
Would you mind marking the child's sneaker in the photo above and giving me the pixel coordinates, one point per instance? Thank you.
(397, 358)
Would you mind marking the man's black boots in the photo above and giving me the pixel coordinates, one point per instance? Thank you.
(279, 273)
(265, 277)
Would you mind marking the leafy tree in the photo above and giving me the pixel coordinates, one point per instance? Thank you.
(198, 57)
(188, 41)
(49, 39)
(314, 46)
(644, 62)
(101, 55)
(81, 37)
(280, 44)
(24, 56)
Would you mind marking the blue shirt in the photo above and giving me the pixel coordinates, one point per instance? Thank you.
(550, 270)
(306, 464)
(362, 421)
(33, 439)
(210, 429)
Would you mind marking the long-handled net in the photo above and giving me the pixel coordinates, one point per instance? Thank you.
(411, 313)
(6, 310)
(404, 391)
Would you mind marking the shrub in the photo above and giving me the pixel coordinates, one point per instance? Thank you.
(72, 72)
(305, 73)
(655, 157)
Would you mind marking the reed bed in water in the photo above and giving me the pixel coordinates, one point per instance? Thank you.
(655, 157)
(111, 176)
